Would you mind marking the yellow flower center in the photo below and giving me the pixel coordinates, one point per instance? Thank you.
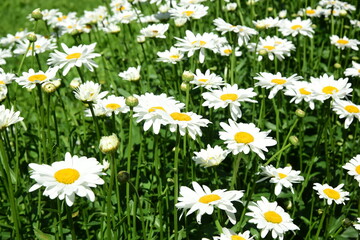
(67, 175)
(296, 27)
(243, 137)
(310, 11)
(352, 109)
(203, 80)
(304, 92)
(227, 51)
(329, 90)
(209, 198)
(2, 82)
(73, 55)
(342, 41)
(122, 8)
(113, 106)
(357, 169)
(229, 96)
(237, 237)
(17, 37)
(155, 31)
(278, 81)
(174, 56)
(180, 116)
(281, 175)
(272, 217)
(331, 193)
(269, 48)
(37, 46)
(188, 13)
(61, 18)
(359, 71)
(153, 109)
(37, 77)
(200, 42)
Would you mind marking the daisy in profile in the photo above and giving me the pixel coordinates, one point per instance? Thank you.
(354, 71)
(229, 95)
(344, 42)
(331, 194)
(131, 74)
(74, 56)
(228, 234)
(210, 157)
(10, 39)
(89, 92)
(41, 45)
(3, 92)
(357, 225)
(150, 110)
(203, 200)
(243, 137)
(268, 216)
(6, 78)
(272, 47)
(296, 26)
(326, 87)
(266, 23)
(282, 177)
(173, 56)
(113, 104)
(353, 167)
(155, 30)
(65, 179)
(346, 109)
(301, 91)
(31, 78)
(275, 81)
(207, 80)
(8, 117)
(4, 53)
(192, 42)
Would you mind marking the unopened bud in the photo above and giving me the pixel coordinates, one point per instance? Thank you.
(294, 140)
(270, 9)
(57, 83)
(350, 136)
(288, 205)
(48, 87)
(187, 76)
(75, 83)
(300, 113)
(123, 176)
(343, 12)
(75, 32)
(179, 22)
(140, 39)
(109, 144)
(36, 14)
(31, 37)
(131, 101)
(337, 65)
(313, 26)
(184, 86)
(355, 58)
(262, 52)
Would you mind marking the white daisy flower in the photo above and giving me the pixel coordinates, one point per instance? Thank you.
(54, 21)
(74, 56)
(326, 87)
(207, 80)
(301, 90)
(230, 7)
(173, 56)
(283, 13)
(354, 71)
(331, 194)
(125, 17)
(113, 104)
(3, 92)
(355, 23)
(347, 110)
(243, 137)
(65, 179)
(228, 234)
(210, 157)
(6, 78)
(150, 107)
(227, 50)
(193, 42)
(155, 30)
(266, 23)
(69, 25)
(268, 216)
(4, 53)
(344, 42)
(10, 39)
(89, 92)
(131, 74)
(311, 12)
(41, 45)
(282, 177)
(8, 117)
(31, 78)
(275, 81)
(203, 200)
(295, 27)
(190, 2)
(357, 226)
(353, 167)
(229, 95)
(272, 47)
(191, 11)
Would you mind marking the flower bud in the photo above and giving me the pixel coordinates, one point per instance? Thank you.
(300, 113)
(106, 165)
(294, 140)
(288, 205)
(109, 144)
(187, 76)
(57, 83)
(31, 37)
(355, 58)
(179, 22)
(337, 65)
(270, 9)
(123, 176)
(75, 32)
(3, 92)
(131, 101)
(343, 12)
(231, 7)
(75, 83)
(184, 86)
(48, 87)
(140, 39)
(262, 52)
(36, 14)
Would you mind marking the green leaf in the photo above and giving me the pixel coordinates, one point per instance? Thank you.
(43, 236)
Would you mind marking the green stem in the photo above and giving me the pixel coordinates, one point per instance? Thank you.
(235, 171)
(176, 181)
(71, 222)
